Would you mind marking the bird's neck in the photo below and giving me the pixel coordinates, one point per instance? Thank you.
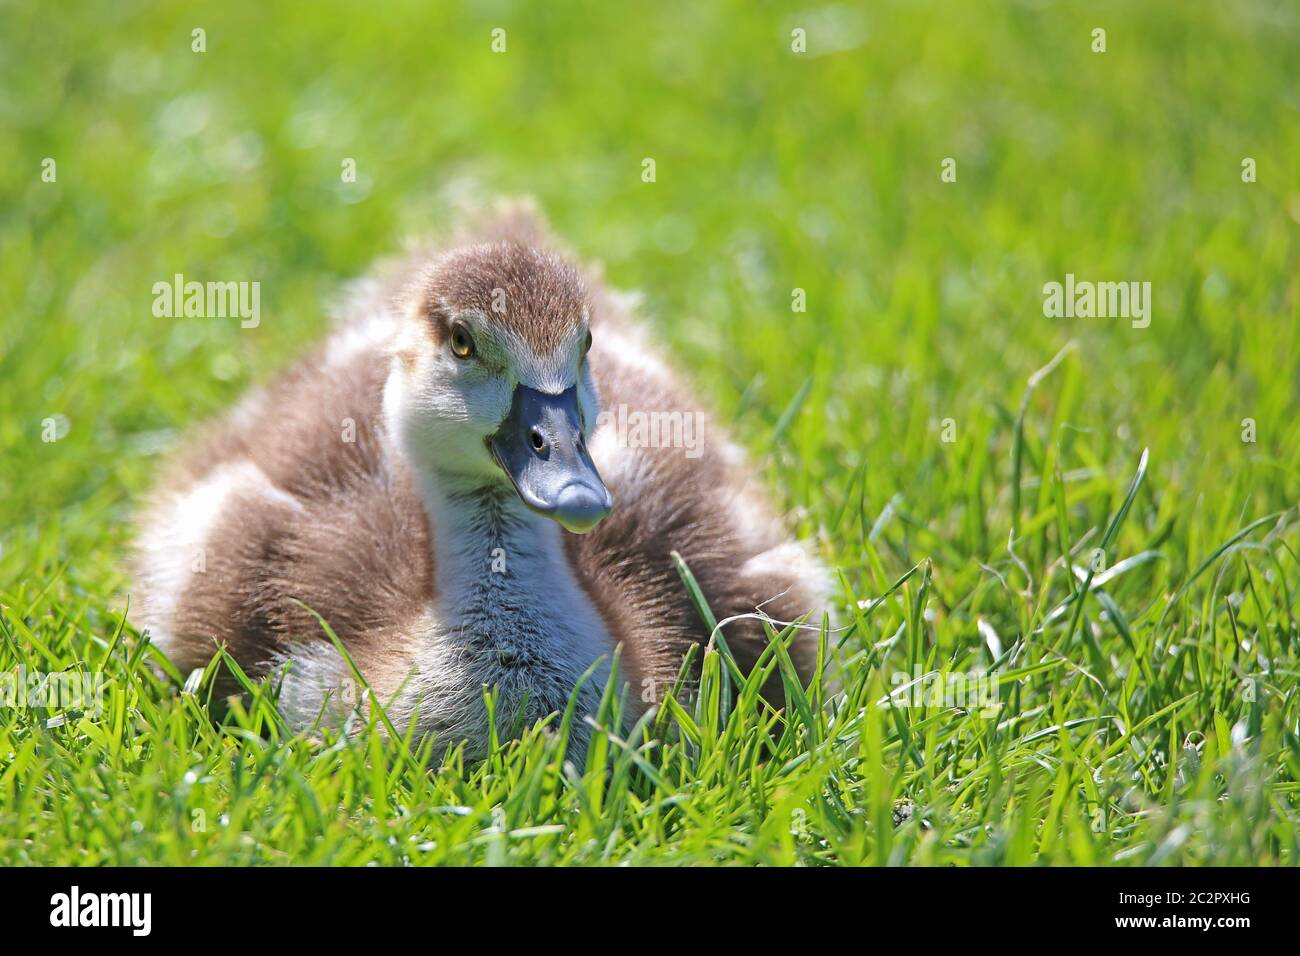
(481, 531)
(507, 601)
(507, 594)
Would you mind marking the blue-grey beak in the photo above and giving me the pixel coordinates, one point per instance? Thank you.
(540, 446)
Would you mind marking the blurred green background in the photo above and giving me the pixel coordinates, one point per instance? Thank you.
(775, 171)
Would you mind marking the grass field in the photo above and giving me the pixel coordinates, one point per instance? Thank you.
(1076, 508)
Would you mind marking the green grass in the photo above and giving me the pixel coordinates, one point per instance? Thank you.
(1149, 717)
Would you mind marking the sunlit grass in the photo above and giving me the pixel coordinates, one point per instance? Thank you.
(1146, 704)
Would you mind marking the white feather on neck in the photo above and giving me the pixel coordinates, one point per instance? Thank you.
(508, 611)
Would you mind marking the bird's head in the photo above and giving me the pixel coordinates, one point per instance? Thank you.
(491, 382)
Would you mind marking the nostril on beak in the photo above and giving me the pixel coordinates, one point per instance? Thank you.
(537, 440)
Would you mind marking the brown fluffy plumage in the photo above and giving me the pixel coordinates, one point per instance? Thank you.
(534, 293)
(303, 496)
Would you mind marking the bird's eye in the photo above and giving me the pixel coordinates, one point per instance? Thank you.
(462, 343)
(586, 346)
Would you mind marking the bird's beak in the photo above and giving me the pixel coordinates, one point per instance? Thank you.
(540, 447)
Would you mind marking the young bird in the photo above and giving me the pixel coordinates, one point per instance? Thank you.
(437, 482)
